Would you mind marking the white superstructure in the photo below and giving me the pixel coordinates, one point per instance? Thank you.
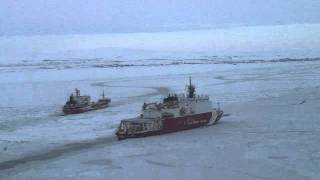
(178, 105)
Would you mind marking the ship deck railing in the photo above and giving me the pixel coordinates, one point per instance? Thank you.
(201, 97)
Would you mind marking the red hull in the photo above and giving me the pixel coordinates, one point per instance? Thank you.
(176, 124)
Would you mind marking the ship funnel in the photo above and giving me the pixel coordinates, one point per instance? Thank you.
(77, 92)
(191, 89)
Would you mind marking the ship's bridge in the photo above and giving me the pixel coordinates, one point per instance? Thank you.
(196, 104)
(183, 97)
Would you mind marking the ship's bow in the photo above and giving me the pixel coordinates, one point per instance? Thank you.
(216, 116)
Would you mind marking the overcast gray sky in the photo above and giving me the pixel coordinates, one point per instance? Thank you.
(26, 17)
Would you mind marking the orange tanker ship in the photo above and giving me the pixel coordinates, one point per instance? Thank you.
(79, 104)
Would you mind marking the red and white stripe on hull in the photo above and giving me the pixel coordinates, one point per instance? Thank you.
(186, 122)
(176, 124)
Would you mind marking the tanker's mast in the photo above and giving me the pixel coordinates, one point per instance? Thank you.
(103, 94)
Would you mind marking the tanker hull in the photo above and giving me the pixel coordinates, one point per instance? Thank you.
(77, 110)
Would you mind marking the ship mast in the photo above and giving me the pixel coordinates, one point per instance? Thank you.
(191, 89)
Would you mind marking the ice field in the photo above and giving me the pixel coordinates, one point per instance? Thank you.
(271, 130)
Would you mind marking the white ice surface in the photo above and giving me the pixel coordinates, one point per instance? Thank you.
(271, 133)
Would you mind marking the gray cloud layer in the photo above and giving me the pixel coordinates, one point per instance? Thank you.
(21, 17)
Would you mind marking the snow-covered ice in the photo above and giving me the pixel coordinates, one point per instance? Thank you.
(271, 131)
